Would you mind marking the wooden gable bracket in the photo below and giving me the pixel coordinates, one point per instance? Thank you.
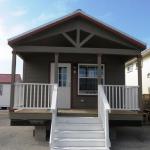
(69, 39)
(86, 39)
(78, 43)
(78, 37)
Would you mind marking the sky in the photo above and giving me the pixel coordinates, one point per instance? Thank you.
(18, 16)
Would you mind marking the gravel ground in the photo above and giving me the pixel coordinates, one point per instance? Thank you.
(20, 138)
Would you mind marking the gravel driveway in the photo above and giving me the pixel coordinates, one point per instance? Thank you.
(20, 138)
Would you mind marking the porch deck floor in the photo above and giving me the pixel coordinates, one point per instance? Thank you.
(46, 114)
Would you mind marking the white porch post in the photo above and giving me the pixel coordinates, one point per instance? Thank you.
(13, 72)
(139, 60)
(99, 68)
(56, 68)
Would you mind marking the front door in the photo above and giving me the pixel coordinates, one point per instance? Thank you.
(64, 84)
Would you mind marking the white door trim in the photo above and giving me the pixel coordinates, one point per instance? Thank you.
(64, 92)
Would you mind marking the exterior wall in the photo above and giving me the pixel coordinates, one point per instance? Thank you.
(132, 77)
(37, 69)
(145, 71)
(5, 97)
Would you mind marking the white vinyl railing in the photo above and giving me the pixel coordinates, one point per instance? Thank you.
(33, 95)
(54, 115)
(103, 113)
(121, 97)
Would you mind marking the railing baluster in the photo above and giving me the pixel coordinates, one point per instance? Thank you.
(30, 95)
(123, 97)
(23, 95)
(116, 97)
(34, 95)
(26, 99)
(109, 94)
(45, 97)
(41, 95)
(113, 97)
(37, 101)
(119, 97)
(19, 95)
(48, 96)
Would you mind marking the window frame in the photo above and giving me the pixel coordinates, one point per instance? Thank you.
(1, 88)
(80, 64)
(128, 70)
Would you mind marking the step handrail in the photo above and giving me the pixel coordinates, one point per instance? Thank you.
(54, 114)
(103, 113)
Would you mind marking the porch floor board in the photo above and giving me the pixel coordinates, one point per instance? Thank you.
(78, 112)
(46, 114)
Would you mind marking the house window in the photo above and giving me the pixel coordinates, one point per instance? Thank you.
(148, 75)
(1, 89)
(87, 79)
(130, 68)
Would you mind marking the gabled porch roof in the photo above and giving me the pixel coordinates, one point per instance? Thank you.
(117, 36)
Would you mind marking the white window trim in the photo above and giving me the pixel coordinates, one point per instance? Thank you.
(90, 77)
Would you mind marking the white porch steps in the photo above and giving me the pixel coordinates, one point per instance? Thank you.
(78, 133)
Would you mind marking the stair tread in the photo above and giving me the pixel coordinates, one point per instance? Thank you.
(74, 131)
(74, 139)
(80, 148)
(79, 133)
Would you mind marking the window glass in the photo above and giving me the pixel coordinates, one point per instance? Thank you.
(88, 79)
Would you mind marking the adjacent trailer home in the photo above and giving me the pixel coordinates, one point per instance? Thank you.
(74, 81)
(132, 75)
(5, 85)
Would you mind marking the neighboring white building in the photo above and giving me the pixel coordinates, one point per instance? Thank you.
(5, 84)
(131, 72)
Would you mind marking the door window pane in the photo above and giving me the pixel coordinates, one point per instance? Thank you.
(62, 76)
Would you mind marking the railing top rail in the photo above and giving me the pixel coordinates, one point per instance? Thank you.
(33, 84)
(121, 85)
(105, 101)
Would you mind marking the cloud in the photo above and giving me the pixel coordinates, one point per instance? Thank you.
(5, 50)
(10, 27)
(57, 9)
(108, 16)
(19, 12)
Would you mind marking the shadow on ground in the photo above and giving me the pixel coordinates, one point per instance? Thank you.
(131, 138)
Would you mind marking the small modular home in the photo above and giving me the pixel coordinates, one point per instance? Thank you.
(5, 85)
(74, 81)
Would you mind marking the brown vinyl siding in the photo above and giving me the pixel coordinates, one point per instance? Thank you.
(37, 69)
